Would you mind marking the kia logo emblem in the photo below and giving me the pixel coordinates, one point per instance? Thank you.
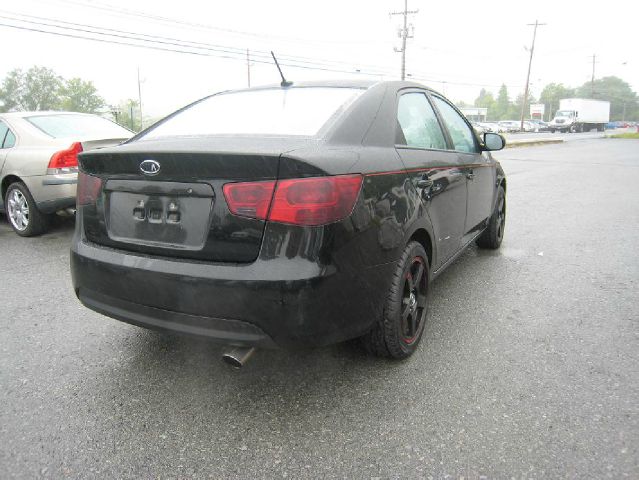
(150, 167)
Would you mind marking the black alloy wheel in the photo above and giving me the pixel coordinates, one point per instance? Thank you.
(398, 332)
(413, 300)
(494, 233)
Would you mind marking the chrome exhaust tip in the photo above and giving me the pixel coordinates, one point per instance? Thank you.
(238, 356)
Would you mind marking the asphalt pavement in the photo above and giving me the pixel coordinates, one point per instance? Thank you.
(528, 367)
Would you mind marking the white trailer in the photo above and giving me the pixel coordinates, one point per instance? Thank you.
(580, 115)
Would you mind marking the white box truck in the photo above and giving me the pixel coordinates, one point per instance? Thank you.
(580, 115)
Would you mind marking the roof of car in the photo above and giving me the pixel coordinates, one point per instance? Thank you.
(41, 112)
(364, 84)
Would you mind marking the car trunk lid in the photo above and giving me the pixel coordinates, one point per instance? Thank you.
(166, 198)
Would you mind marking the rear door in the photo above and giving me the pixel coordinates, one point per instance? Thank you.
(434, 169)
(7, 141)
(4, 133)
(478, 169)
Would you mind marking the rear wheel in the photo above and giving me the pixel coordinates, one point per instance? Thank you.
(22, 212)
(400, 329)
(494, 233)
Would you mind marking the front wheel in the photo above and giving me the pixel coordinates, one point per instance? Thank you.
(22, 212)
(494, 233)
(398, 332)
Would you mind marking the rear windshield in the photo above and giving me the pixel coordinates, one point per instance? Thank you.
(63, 126)
(281, 111)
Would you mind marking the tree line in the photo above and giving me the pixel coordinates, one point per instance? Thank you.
(40, 88)
(624, 102)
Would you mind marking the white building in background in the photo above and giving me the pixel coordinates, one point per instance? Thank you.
(475, 114)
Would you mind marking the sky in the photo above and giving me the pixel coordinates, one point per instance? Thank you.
(458, 47)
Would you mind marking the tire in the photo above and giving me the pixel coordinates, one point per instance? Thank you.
(22, 213)
(494, 233)
(552, 131)
(398, 333)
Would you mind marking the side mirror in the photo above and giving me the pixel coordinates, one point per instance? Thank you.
(493, 141)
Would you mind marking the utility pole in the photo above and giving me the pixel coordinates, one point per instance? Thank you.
(592, 79)
(532, 50)
(139, 98)
(248, 68)
(404, 34)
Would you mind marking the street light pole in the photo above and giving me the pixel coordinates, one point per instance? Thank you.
(532, 50)
(140, 98)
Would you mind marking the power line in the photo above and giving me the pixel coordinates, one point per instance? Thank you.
(185, 47)
(158, 18)
(231, 55)
(170, 41)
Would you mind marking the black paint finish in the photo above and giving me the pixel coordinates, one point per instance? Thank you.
(285, 285)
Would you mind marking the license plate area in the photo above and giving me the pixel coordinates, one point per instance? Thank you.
(159, 214)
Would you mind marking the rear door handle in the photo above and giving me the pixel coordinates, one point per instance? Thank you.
(424, 182)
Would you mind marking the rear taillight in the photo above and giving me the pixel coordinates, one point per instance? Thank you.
(65, 160)
(88, 189)
(315, 201)
(299, 201)
(249, 199)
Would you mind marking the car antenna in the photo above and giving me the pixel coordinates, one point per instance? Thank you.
(285, 83)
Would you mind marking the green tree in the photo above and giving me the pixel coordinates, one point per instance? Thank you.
(11, 91)
(127, 114)
(78, 95)
(41, 89)
(514, 111)
(486, 100)
(36, 89)
(550, 96)
(502, 105)
(613, 89)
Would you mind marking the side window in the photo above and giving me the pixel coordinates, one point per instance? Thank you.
(9, 140)
(3, 132)
(461, 134)
(418, 124)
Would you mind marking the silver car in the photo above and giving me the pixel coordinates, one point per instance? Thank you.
(39, 163)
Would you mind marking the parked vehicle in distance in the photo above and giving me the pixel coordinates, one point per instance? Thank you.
(287, 215)
(493, 127)
(510, 126)
(539, 125)
(580, 115)
(39, 165)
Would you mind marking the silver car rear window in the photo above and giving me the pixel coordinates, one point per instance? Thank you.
(69, 125)
(278, 111)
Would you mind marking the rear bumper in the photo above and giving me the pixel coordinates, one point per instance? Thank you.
(229, 331)
(53, 192)
(283, 302)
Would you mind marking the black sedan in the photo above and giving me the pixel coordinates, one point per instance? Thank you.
(282, 216)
